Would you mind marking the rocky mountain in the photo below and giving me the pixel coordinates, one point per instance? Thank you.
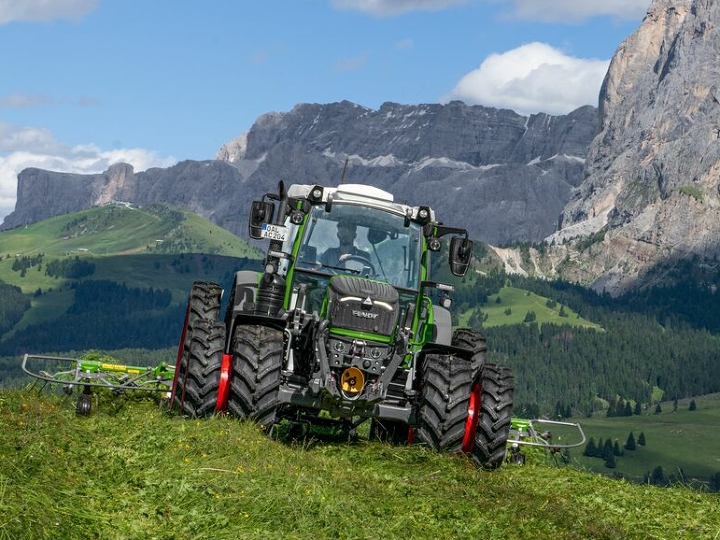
(508, 175)
(634, 184)
(650, 194)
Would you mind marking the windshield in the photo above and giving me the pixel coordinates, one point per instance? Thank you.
(362, 241)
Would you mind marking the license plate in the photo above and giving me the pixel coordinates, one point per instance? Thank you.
(274, 232)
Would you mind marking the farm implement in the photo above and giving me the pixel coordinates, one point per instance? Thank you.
(95, 371)
(536, 433)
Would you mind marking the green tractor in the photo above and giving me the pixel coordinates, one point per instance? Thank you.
(344, 326)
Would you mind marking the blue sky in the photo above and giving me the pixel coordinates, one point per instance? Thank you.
(88, 83)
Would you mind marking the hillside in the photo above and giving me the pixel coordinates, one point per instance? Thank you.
(683, 442)
(83, 280)
(132, 471)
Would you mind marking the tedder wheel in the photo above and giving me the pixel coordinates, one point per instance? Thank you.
(197, 383)
(256, 366)
(465, 410)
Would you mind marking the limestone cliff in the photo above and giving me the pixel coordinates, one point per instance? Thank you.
(650, 195)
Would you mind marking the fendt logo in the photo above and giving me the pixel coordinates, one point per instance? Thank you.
(364, 314)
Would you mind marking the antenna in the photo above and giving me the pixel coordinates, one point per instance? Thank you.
(342, 178)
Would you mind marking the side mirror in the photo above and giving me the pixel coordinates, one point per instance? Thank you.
(261, 212)
(460, 255)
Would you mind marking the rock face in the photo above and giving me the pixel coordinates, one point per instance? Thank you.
(651, 185)
(504, 176)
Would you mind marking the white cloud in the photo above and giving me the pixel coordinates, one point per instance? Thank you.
(43, 10)
(532, 78)
(383, 8)
(576, 10)
(538, 10)
(23, 147)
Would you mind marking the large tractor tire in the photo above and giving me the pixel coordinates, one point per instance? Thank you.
(472, 340)
(204, 301)
(197, 380)
(465, 409)
(447, 382)
(203, 304)
(492, 425)
(256, 367)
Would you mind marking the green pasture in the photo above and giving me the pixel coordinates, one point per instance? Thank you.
(519, 302)
(681, 442)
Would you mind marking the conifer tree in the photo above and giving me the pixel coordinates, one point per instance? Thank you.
(638, 408)
(599, 448)
(590, 448)
(630, 443)
(616, 449)
(607, 449)
(628, 409)
(641, 439)
(692, 406)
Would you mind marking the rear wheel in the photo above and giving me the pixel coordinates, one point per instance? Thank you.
(493, 422)
(203, 303)
(472, 340)
(256, 366)
(198, 373)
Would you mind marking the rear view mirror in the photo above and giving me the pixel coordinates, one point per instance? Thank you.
(460, 255)
(261, 212)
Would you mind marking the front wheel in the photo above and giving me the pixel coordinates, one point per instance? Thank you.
(256, 367)
(465, 409)
(447, 382)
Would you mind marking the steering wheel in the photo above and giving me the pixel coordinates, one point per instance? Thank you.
(345, 259)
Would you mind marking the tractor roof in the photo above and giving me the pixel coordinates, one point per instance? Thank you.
(361, 195)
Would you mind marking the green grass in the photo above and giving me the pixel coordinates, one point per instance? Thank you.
(520, 302)
(111, 231)
(681, 440)
(140, 248)
(131, 470)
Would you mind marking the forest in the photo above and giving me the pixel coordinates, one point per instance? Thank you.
(659, 343)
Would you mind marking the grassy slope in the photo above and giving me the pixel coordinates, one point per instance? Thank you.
(132, 471)
(520, 302)
(106, 232)
(123, 244)
(686, 439)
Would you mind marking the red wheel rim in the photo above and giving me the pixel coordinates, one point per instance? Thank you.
(224, 388)
(473, 417)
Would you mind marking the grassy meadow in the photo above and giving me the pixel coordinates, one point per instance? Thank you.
(160, 247)
(684, 443)
(511, 304)
(133, 471)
